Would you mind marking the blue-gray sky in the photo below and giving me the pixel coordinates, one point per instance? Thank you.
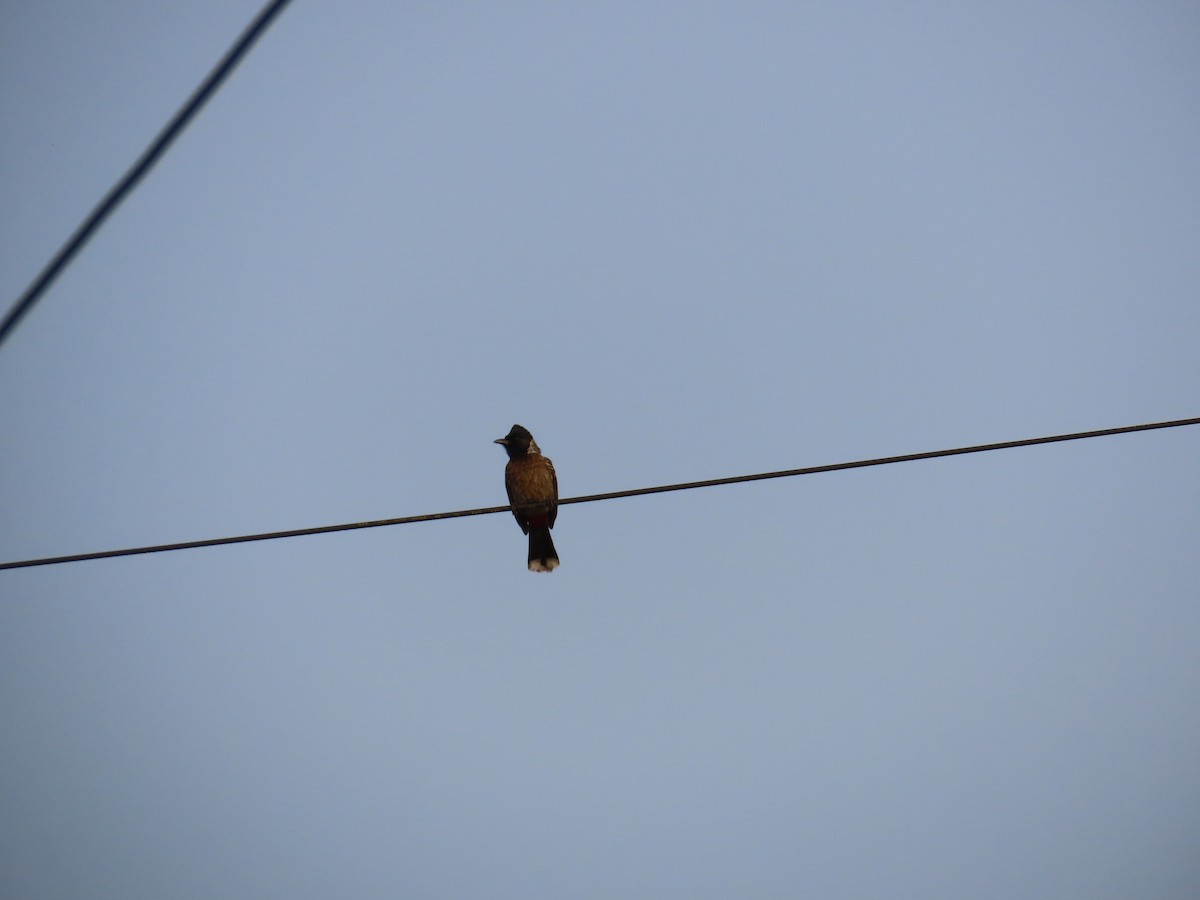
(677, 241)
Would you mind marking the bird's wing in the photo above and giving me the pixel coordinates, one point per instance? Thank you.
(553, 503)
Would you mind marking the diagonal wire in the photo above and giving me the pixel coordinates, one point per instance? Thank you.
(613, 495)
(143, 165)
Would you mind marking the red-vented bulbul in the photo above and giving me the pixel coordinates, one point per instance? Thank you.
(533, 494)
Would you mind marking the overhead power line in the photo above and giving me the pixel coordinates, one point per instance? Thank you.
(144, 163)
(612, 495)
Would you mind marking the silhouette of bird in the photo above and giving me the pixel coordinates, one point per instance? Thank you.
(533, 494)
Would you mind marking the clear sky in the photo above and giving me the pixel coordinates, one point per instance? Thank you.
(676, 241)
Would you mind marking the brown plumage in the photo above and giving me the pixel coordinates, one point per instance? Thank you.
(533, 494)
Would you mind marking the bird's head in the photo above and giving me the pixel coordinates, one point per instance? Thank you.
(517, 442)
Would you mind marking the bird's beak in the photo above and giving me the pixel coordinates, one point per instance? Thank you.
(503, 441)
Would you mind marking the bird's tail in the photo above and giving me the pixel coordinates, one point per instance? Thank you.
(542, 555)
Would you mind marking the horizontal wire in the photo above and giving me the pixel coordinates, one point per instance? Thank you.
(138, 170)
(612, 495)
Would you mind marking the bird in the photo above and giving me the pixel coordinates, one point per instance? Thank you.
(532, 488)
